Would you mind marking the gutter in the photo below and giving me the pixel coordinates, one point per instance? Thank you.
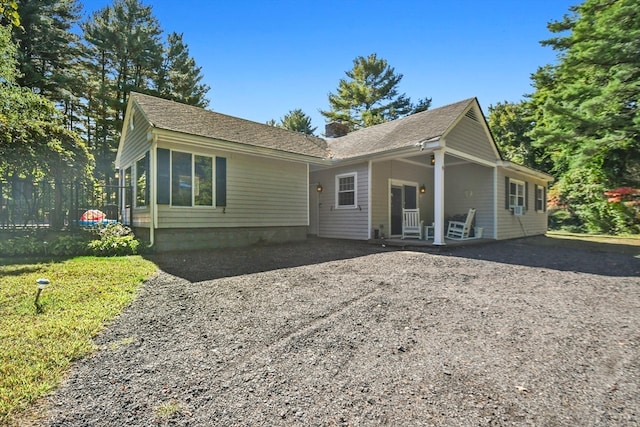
(526, 170)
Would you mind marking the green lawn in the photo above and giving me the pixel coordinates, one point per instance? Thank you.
(36, 348)
(628, 244)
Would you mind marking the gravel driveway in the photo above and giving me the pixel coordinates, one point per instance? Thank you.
(336, 333)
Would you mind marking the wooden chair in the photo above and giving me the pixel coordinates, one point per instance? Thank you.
(459, 230)
(411, 224)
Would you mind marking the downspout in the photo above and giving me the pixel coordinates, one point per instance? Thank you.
(308, 199)
(495, 202)
(153, 214)
(369, 204)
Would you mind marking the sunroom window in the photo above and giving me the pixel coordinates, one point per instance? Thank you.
(191, 179)
(142, 181)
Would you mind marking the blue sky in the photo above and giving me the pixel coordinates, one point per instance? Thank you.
(265, 58)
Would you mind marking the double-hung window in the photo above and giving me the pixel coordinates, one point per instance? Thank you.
(346, 190)
(516, 193)
(540, 198)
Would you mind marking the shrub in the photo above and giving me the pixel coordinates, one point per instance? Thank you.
(70, 245)
(27, 245)
(115, 240)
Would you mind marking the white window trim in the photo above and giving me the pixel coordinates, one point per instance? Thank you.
(541, 189)
(355, 190)
(523, 195)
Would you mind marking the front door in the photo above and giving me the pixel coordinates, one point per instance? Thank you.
(402, 197)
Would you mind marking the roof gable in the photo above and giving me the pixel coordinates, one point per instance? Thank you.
(190, 120)
(401, 133)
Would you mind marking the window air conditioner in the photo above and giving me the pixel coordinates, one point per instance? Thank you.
(518, 210)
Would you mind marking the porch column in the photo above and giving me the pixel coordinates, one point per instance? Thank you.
(438, 198)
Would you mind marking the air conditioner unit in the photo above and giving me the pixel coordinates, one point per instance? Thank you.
(518, 210)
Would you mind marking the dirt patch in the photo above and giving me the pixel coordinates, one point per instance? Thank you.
(344, 333)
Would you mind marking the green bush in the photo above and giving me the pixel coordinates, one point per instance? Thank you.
(22, 246)
(115, 240)
(69, 245)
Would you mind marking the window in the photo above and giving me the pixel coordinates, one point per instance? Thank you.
(540, 199)
(346, 190)
(203, 180)
(181, 179)
(191, 180)
(142, 181)
(516, 193)
(127, 184)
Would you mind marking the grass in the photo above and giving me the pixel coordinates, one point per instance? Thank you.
(37, 348)
(167, 410)
(627, 244)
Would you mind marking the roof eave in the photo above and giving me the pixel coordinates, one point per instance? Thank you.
(526, 170)
(233, 146)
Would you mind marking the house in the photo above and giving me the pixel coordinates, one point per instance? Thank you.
(202, 179)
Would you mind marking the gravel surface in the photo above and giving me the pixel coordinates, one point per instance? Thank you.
(336, 333)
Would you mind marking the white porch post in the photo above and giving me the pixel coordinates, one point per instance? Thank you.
(438, 198)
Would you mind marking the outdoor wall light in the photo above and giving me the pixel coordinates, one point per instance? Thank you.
(319, 188)
(423, 189)
(433, 160)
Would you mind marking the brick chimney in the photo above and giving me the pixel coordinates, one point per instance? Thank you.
(335, 129)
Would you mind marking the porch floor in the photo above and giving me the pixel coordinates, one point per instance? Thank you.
(419, 243)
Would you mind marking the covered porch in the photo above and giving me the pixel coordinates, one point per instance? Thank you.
(441, 184)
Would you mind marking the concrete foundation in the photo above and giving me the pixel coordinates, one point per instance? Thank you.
(176, 239)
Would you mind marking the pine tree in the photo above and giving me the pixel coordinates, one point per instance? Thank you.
(369, 96)
(48, 53)
(587, 118)
(124, 54)
(180, 78)
(297, 121)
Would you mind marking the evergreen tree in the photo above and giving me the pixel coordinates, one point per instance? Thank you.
(587, 117)
(180, 78)
(298, 121)
(369, 96)
(48, 52)
(124, 54)
(422, 105)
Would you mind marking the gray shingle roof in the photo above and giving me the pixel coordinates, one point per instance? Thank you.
(401, 133)
(173, 116)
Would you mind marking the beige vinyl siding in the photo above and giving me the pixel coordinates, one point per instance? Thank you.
(261, 192)
(135, 146)
(343, 223)
(135, 143)
(468, 186)
(469, 136)
(531, 223)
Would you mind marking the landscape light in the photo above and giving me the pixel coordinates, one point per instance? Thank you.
(42, 282)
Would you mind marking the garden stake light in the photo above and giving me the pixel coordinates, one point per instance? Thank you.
(42, 282)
